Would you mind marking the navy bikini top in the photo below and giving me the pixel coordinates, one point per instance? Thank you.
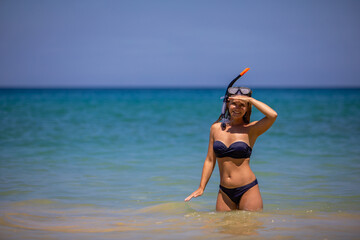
(238, 149)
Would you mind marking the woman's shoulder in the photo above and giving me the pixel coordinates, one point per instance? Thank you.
(251, 124)
(215, 127)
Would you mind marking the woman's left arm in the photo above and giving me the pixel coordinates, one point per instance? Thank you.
(270, 116)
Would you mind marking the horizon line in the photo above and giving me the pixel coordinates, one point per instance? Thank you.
(169, 87)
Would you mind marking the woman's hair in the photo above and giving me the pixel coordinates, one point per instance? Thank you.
(247, 115)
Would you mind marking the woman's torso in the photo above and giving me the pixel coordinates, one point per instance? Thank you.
(234, 165)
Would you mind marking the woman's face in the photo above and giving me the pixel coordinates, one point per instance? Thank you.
(237, 108)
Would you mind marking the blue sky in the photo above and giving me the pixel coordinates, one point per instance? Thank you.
(179, 43)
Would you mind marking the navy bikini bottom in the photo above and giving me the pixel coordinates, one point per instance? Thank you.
(235, 194)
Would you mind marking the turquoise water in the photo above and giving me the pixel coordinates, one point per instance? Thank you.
(118, 164)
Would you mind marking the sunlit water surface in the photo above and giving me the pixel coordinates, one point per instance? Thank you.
(110, 164)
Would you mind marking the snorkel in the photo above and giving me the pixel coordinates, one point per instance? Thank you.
(224, 114)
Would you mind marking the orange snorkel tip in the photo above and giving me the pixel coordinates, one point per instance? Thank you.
(245, 70)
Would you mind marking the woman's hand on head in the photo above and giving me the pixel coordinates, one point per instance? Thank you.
(195, 194)
(240, 97)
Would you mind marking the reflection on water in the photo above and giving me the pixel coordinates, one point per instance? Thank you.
(175, 220)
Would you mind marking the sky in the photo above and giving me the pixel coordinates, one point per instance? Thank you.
(168, 43)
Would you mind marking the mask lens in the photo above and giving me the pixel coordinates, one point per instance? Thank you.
(245, 91)
(233, 90)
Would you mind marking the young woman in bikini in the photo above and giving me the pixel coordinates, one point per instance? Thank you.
(231, 145)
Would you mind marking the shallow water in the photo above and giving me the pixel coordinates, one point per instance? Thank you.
(39, 219)
(118, 163)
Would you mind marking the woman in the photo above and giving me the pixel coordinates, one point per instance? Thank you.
(231, 144)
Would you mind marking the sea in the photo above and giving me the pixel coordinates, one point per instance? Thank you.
(118, 164)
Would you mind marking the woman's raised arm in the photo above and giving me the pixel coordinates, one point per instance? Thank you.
(259, 127)
(265, 123)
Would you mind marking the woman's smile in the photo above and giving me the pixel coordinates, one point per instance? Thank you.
(237, 112)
